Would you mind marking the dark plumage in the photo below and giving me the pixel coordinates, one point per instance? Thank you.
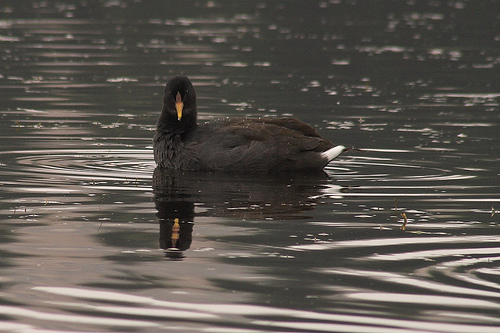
(258, 145)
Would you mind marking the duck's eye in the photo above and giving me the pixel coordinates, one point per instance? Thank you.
(187, 91)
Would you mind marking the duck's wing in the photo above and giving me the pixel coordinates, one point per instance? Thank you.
(261, 145)
(282, 133)
(292, 123)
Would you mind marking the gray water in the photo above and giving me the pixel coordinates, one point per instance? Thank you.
(89, 242)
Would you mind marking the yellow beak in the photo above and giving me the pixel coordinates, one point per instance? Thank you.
(179, 106)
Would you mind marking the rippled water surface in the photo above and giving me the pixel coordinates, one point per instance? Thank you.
(400, 235)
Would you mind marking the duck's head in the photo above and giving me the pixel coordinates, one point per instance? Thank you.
(179, 100)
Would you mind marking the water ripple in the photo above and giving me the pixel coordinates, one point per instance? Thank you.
(107, 164)
(226, 315)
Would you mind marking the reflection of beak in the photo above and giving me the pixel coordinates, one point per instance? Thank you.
(175, 232)
(179, 106)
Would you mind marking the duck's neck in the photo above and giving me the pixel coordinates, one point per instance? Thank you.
(168, 124)
(168, 142)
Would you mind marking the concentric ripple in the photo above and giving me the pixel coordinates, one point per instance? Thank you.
(73, 166)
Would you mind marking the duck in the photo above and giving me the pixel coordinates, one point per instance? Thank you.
(234, 144)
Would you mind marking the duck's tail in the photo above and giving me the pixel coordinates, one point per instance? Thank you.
(331, 153)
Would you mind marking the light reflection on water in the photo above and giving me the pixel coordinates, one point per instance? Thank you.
(93, 238)
(86, 177)
(150, 308)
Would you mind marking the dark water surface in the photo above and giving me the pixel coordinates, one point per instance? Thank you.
(87, 234)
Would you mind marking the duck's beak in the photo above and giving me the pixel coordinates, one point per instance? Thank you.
(179, 105)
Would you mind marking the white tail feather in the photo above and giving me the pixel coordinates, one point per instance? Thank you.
(331, 153)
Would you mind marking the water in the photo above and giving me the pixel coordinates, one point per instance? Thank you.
(87, 233)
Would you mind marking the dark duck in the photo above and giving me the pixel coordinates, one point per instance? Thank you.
(243, 145)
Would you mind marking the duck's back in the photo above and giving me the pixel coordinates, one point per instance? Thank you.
(256, 145)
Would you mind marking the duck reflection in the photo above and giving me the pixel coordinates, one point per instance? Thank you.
(277, 197)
